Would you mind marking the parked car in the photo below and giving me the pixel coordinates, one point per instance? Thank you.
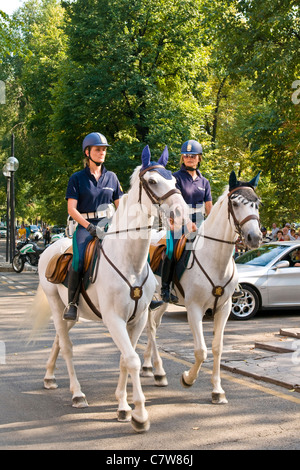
(35, 233)
(3, 232)
(270, 278)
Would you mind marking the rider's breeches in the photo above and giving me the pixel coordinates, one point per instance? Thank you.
(81, 238)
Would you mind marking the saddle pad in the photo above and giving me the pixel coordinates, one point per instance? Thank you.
(58, 266)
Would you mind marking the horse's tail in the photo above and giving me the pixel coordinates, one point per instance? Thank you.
(39, 313)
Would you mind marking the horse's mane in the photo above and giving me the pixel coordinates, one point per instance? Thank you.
(134, 175)
(215, 208)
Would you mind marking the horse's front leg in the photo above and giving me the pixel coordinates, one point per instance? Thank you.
(130, 363)
(195, 316)
(220, 319)
(64, 344)
(154, 320)
(124, 410)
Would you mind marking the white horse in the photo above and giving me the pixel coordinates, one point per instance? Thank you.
(209, 281)
(124, 284)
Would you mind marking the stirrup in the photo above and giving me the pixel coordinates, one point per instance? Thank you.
(173, 299)
(70, 312)
(238, 292)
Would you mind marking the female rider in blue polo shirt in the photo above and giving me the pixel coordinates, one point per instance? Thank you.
(196, 192)
(90, 193)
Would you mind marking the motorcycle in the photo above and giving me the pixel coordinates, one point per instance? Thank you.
(27, 251)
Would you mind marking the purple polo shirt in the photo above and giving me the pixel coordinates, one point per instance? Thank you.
(92, 194)
(194, 192)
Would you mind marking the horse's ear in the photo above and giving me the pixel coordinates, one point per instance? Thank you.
(164, 157)
(254, 181)
(233, 182)
(146, 156)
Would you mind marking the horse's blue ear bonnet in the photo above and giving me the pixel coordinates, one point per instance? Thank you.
(146, 160)
(234, 183)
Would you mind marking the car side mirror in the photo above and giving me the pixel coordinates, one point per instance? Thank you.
(281, 264)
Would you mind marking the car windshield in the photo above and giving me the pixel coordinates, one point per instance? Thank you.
(262, 255)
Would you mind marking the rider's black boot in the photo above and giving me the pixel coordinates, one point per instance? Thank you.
(74, 281)
(166, 278)
(154, 304)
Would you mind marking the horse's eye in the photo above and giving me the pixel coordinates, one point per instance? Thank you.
(234, 203)
(152, 181)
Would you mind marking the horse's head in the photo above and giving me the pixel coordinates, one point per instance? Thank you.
(243, 206)
(158, 184)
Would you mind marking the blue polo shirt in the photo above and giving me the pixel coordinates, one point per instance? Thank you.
(90, 193)
(194, 192)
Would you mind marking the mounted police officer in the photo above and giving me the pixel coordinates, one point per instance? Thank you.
(91, 195)
(196, 192)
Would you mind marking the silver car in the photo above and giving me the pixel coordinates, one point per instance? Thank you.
(270, 278)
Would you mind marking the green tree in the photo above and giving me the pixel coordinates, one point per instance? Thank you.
(127, 75)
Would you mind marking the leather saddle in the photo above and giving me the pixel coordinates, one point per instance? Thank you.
(157, 251)
(59, 265)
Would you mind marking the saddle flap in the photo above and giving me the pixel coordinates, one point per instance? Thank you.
(156, 252)
(179, 247)
(90, 253)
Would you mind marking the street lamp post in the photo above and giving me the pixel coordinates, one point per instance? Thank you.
(6, 173)
(9, 170)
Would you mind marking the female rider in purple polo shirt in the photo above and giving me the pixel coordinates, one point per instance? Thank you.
(196, 192)
(90, 192)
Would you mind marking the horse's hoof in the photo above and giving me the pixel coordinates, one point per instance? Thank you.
(79, 402)
(219, 399)
(161, 380)
(140, 427)
(124, 416)
(146, 372)
(184, 383)
(50, 384)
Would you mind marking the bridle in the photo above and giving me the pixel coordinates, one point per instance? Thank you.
(218, 290)
(238, 225)
(145, 185)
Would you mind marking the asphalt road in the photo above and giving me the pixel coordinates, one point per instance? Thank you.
(258, 416)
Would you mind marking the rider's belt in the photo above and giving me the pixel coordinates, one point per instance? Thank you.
(94, 215)
(193, 210)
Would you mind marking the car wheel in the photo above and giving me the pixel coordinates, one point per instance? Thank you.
(247, 306)
(18, 263)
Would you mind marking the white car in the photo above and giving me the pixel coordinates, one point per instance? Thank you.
(270, 278)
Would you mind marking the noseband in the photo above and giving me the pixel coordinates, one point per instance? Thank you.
(152, 196)
(238, 225)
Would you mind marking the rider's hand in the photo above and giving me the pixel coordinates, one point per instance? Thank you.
(191, 226)
(92, 230)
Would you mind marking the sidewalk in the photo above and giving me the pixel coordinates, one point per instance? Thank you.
(276, 361)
